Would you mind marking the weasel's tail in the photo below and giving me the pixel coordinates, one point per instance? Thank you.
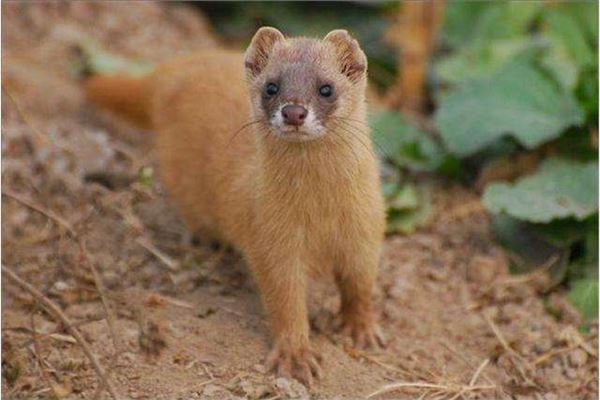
(125, 95)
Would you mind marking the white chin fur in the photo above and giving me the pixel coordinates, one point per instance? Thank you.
(311, 128)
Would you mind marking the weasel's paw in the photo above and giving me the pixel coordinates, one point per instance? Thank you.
(298, 362)
(364, 335)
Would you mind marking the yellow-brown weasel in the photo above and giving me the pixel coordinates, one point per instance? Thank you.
(280, 165)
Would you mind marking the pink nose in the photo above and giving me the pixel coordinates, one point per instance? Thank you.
(294, 114)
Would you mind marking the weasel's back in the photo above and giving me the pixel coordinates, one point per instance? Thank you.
(200, 103)
(197, 106)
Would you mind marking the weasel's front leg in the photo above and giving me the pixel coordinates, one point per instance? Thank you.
(355, 278)
(282, 285)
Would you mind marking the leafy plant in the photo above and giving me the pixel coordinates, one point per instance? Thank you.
(521, 76)
(559, 189)
(406, 148)
(517, 100)
(405, 145)
(409, 207)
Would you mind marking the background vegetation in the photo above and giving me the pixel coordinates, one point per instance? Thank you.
(511, 109)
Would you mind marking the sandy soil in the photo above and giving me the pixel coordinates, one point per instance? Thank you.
(186, 318)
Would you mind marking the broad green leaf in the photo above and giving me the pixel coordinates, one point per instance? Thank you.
(584, 295)
(476, 62)
(466, 22)
(459, 19)
(504, 20)
(403, 143)
(571, 35)
(412, 210)
(561, 65)
(585, 13)
(558, 189)
(516, 100)
(405, 199)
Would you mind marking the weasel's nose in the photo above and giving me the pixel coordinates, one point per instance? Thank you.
(294, 114)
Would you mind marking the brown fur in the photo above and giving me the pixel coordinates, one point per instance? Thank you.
(294, 209)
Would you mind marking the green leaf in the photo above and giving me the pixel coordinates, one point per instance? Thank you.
(558, 189)
(405, 199)
(561, 65)
(409, 210)
(469, 22)
(504, 20)
(476, 62)
(586, 15)
(567, 31)
(459, 20)
(403, 143)
(584, 295)
(517, 100)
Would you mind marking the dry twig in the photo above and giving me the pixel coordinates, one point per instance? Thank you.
(165, 259)
(60, 221)
(36, 353)
(516, 359)
(478, 372)
(110, 316)
(58, 314)
(450, 388)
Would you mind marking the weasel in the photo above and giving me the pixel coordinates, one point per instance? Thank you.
(281, 166)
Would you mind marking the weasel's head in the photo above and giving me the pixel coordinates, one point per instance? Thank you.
(300, 87)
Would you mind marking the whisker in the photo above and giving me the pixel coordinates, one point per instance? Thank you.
(360, 134)
(383, 151)
(353, 134)
(350, 146)
(243, 127)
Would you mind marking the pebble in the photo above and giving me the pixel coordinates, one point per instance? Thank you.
(577, 358)
(570, 373)
(291, 388)
(259, 368)
(542, 345)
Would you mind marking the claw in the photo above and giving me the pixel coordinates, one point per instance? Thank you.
(364, 336)
(301, 363)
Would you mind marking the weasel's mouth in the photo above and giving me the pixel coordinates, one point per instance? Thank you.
(294, 134)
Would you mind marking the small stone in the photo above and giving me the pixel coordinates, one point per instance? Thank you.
(215, 392)
(570, 373)
(536, 326)
(482, 269)
(291, 388)
(259, 368)
(61, 286)
(398, 290)
(542, 345)
(204, 311)
(550, 396)
(577, 358)
(254, 390)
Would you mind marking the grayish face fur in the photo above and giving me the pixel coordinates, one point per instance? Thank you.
(306, 74)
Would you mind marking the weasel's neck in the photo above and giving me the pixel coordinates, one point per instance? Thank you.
(335, 157)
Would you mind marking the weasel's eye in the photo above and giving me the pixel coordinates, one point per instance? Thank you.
(325, 90)
(272, 89)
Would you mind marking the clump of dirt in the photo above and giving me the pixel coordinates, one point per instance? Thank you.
(172, 319)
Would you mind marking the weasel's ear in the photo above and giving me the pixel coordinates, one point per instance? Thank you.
(259, 51)
(352, 60)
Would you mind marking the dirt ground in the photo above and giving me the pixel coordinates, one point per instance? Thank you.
(170, 318)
